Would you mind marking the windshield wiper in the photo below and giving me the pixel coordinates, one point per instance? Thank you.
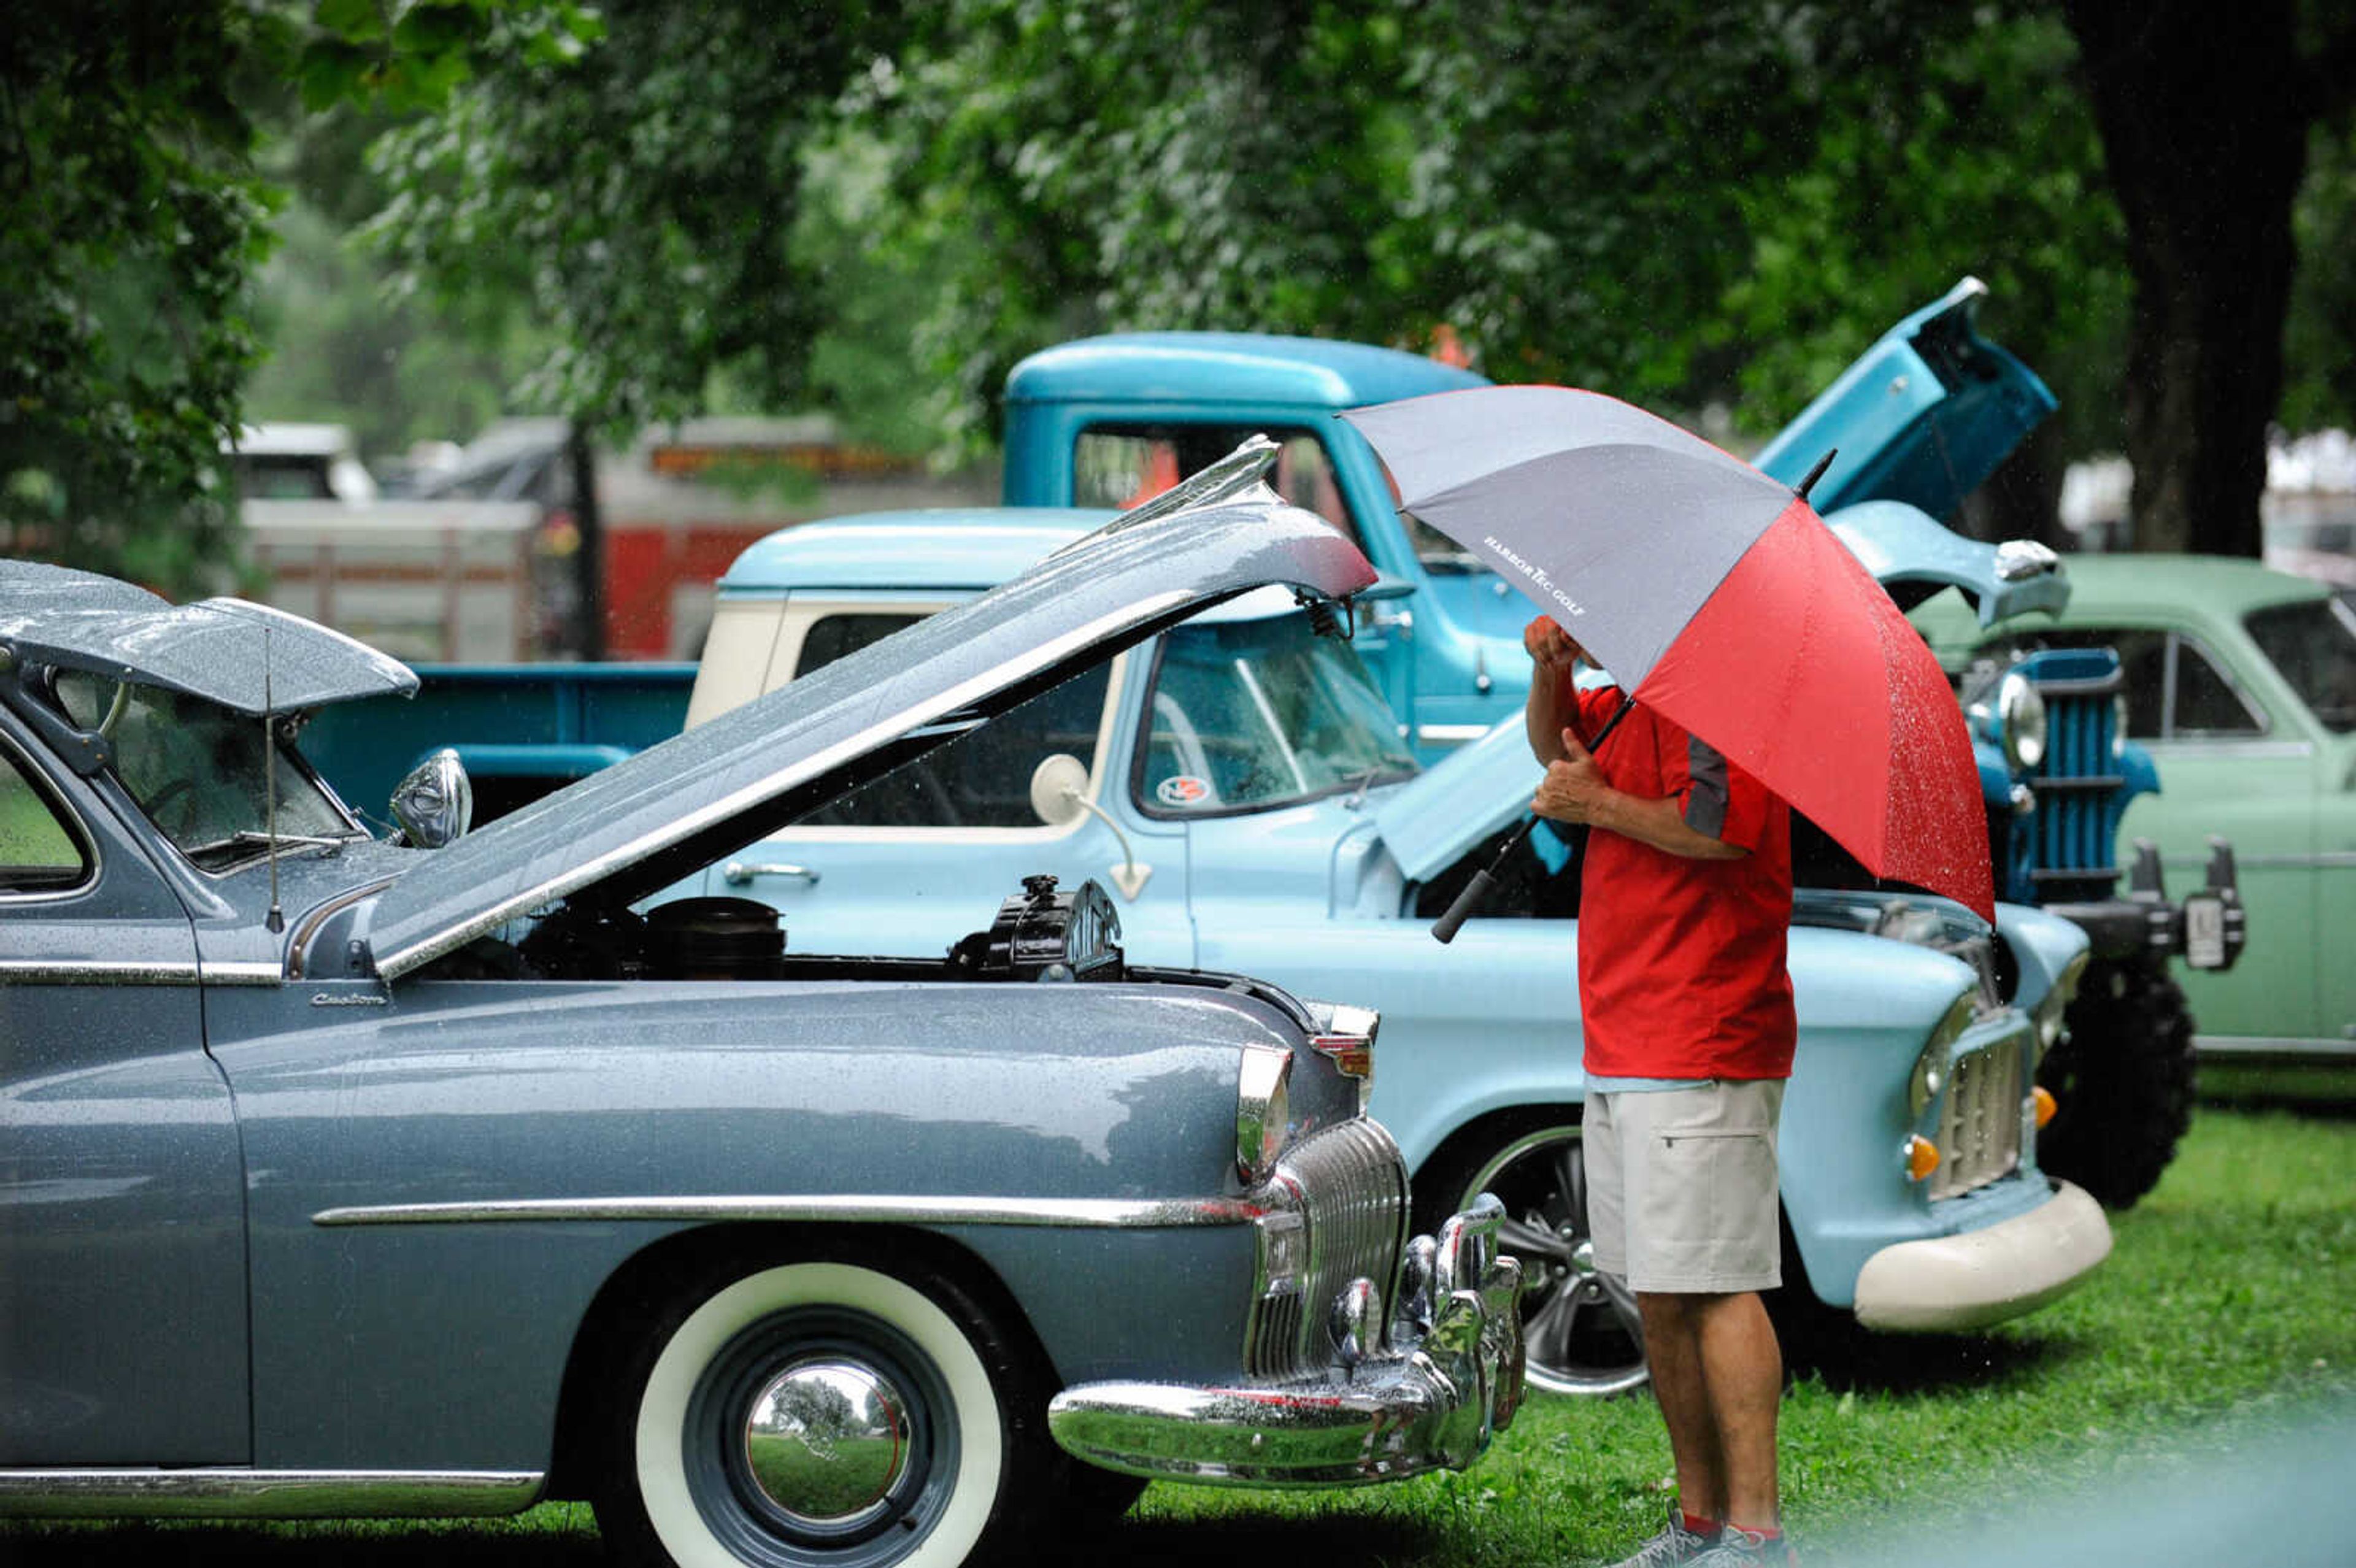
(254, 838)
(1390, 770)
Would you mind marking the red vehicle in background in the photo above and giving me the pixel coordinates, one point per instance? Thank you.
(476, 561)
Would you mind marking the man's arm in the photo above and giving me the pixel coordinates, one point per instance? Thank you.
(1573, 791)
(1554, 657)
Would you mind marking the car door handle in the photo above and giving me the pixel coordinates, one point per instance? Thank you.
(736, 873)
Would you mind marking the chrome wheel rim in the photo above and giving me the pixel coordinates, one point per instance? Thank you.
(817, 1439)
(1580, 1327)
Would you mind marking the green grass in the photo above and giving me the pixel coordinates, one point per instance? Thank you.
(2223, 1312)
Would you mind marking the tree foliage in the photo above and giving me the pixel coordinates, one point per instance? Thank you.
(636, 203)
(133, 215)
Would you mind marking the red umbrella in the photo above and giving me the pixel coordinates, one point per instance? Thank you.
(1715, 596)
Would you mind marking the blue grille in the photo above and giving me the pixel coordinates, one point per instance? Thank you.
(2067, 849)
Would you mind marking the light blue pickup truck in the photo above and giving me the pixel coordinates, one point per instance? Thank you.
(1241, 787)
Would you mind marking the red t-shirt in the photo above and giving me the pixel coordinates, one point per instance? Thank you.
(1681, 962)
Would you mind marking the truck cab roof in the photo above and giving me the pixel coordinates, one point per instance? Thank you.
(1228, 367)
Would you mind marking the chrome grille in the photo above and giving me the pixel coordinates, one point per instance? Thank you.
(1348, 1185)
(1979, 1125)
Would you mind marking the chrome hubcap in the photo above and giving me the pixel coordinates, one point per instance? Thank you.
(826, 1439)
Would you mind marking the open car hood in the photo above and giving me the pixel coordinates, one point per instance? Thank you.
(1923, 417)
(645, 822)
(1913, 556)
(215, 650)
(1437, 817)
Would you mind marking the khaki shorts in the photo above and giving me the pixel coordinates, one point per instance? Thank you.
(1681, 1186)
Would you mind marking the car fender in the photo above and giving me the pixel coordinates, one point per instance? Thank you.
(385, 1146)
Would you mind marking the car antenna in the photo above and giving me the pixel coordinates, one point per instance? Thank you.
(277, 921)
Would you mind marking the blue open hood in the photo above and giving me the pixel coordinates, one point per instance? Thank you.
(1922, 416)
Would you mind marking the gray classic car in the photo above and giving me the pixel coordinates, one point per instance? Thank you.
(340, 1177)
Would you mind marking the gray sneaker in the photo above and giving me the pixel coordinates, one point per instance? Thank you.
(1740, 1548)
(1672, 1547)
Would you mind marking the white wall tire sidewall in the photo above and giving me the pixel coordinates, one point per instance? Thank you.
(661, 1470)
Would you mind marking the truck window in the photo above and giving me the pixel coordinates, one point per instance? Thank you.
(37, 852)
(1251, 715)
(982, 779)
(1127, 465)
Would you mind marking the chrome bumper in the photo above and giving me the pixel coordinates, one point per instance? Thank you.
(1420, 1404)
(1969, 1281)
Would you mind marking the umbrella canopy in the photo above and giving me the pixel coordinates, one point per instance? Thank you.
(1715, 596)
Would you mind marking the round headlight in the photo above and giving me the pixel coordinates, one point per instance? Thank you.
(1930, 1076)
(2022, 711)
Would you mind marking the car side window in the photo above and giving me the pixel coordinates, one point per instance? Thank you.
(38, 853)
(2206, 702)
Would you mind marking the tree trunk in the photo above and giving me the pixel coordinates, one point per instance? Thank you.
(2022, 499)
(2205, 136)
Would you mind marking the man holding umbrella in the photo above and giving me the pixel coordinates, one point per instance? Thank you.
(1759, 664)
(1686, 894)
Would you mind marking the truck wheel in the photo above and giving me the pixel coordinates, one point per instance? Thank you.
(820, 1414)
(1581, 1331)
(2122, 1073)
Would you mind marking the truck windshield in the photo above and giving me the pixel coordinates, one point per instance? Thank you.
(2313, 644)
(1248, 715)
(195, 770)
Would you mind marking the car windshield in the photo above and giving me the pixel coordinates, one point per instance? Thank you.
(2313, 643)
(1245, 715)
(195, 768)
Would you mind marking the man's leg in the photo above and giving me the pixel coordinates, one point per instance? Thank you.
(1673, 1347)
(1742, 1382)
(1719, 1375)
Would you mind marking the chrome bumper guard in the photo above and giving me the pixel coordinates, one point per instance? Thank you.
(1951, 1283)
(1448, 1381)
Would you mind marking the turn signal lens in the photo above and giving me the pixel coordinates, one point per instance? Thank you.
(1922, 1157)
(2046, 1105)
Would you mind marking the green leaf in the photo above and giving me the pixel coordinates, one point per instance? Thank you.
(355, 21)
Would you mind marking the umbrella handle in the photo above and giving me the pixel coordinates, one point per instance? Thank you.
(1484, 882)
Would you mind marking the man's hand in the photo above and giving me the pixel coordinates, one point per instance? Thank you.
(1549, 647)
(1573, 788)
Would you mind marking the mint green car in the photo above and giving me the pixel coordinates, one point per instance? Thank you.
(2241, 682)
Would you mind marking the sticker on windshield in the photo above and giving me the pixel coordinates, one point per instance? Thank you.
(1181, 789)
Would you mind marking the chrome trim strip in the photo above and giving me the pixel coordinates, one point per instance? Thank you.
(425, 949)
(1450, 734)
(133, 972)
(226, 1492)
(2333, 857)
(298, 947)
(1092, 1213)
(242, 972)
(2228, 1047)
(96, 971)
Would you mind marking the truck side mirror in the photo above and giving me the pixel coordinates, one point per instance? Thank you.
(1060, 793)
(434, 804)
(1059, 789)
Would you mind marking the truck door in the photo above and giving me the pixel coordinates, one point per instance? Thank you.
(924, 855)
(122, 1281)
